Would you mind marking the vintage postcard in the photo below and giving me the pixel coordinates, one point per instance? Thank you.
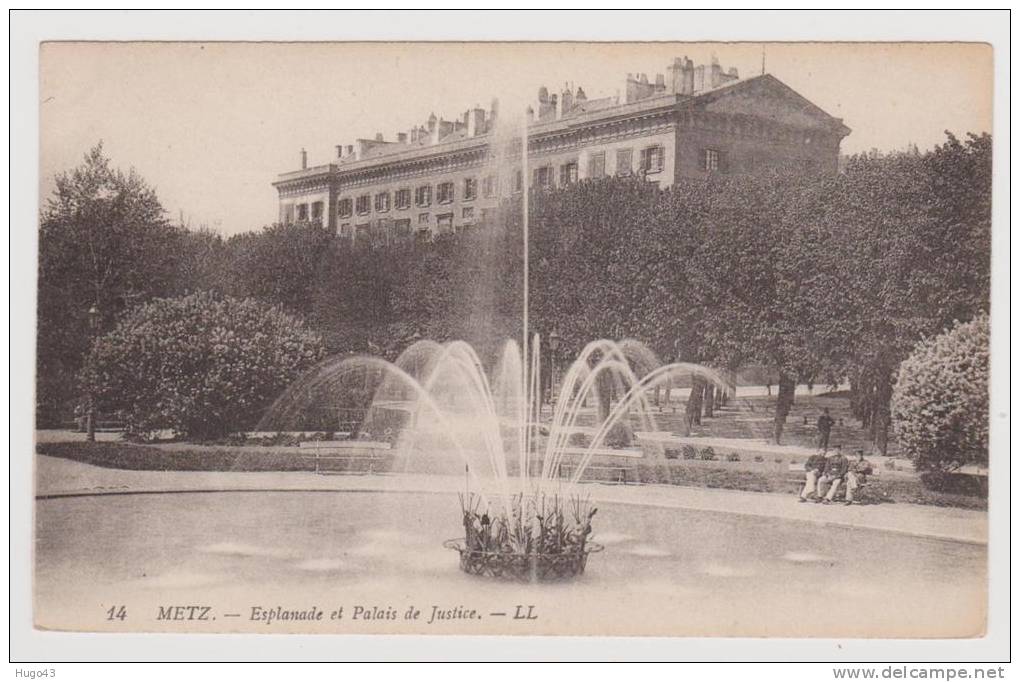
(496, 338)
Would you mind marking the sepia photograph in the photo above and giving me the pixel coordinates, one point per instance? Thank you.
(599, 338)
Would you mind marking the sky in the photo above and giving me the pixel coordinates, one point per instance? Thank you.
(211, 125)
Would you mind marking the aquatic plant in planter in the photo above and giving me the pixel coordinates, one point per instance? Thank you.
(534, 539)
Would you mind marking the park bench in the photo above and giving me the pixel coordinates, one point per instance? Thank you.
(615, 473)
(347, 457)
(864, 490)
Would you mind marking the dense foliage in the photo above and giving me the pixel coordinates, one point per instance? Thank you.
(940, 403)
(199, 365)
(810, 278)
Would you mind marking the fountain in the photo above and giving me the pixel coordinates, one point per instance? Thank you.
(523, 514)
(522, 517)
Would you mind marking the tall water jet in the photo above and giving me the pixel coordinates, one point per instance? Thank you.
(444, 413)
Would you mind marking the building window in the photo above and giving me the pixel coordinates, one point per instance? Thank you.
(345, 231)
(597, 165)
(363, 204)
(624, 161)
(544, 176)
(444, 222)
(423, 220)
(568, 173)
(468, 213)
(518, 184)
(302, 212)
(382, 202)
(651, 159)
(288, 214)
(344, 208)
(382, 231)
(711, 160)
(470, 188)
(317, 212)
(402, 199)
(361, 231)
(489, 185)
(423, 196)
(402, 227)
(444, 192)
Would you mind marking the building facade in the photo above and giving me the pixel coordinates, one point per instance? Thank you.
(447, 175)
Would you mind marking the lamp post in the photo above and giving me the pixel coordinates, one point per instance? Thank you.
(90, 417)
(554, 346)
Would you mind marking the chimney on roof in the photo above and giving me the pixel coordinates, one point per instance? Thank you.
(350, 149)
(339, 151)
(580, 96)
(699, 78)
(304, 159)
(476, 121)
(566, 101)
(402, 138)
(432, 122)
(676, 76)
(688, 72)
(378, 137)
(716, 73)
(660, 82)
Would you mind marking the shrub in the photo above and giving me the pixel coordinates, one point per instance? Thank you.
(579, 440)
(707, 454)
(689, 451)
(619, 436)
(733, 457)
(940, 401)
(671, 453)
(200, 365)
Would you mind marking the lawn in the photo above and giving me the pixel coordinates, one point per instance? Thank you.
(187, 457)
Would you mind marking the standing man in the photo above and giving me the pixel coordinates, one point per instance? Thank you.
(824, 424)
(835, 471)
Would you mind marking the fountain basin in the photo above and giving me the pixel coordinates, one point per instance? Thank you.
(520, 566)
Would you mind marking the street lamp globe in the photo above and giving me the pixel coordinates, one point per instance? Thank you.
(554, 341)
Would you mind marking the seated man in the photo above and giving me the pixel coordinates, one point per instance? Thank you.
(856, 475)
(836, 466)
(813, 468)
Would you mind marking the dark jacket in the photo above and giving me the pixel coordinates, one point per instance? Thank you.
(825, 423)
(815, 463)
(861, 467)
(836, 466)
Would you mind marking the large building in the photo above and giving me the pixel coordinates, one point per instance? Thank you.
(446, 175)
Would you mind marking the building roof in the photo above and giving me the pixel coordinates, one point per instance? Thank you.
(771, 99)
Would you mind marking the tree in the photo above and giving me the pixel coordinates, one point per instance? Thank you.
(200, 365)
(911, 255)
(281, 264)
(104, 241)
(940, 402)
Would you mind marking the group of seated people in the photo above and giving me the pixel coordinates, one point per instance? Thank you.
(831, 469)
